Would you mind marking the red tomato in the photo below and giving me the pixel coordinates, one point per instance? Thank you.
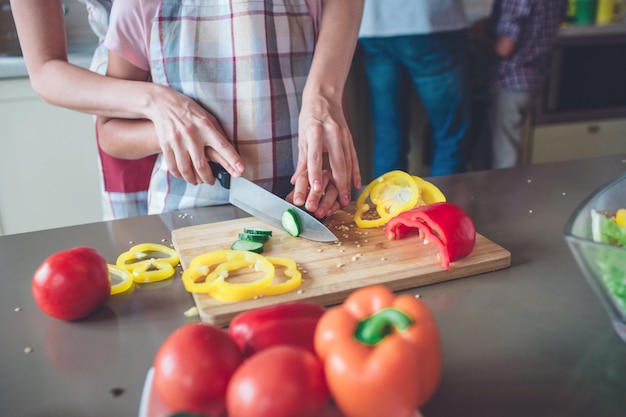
(280, 381)
(192, 369)
(72, 284)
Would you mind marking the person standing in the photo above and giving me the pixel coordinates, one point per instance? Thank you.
(519, 35)
(425, 42)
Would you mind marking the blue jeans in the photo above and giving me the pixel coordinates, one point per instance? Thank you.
(438, 66)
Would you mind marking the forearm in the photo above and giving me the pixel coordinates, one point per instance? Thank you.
(127, 139)
(66, 85)
(339, 28)
(41, 30)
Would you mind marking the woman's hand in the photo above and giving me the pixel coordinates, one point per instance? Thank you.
(322, 203)
(323, 129)
(189, 135)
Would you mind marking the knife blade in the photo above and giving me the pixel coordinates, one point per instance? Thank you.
(268, 207)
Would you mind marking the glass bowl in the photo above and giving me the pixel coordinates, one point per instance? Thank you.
(603, 264)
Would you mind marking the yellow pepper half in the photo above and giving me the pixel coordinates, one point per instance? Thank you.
(391, 194)
(429, 193)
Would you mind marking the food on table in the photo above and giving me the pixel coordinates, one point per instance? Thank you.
(193, 367)
(381, 353)
(290, 323)
(445, 224)
(609, 228)
(252, 240)
(391, 194)
(210, 272)
(121, 280)
(149, 262)
(280, 381)
(249, 245)
(291, 222)
(72, 284)
(609, 263)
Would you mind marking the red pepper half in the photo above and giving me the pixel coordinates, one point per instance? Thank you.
(290, 323)
(445, 224)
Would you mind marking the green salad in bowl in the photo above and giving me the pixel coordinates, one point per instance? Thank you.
(596, 235)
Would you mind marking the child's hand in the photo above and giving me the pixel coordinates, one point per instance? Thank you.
(321, 203)
(323, 130)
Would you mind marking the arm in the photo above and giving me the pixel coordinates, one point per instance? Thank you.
(176, 118)
(186, 156)
(503, 46)
(126, 138)
(41, 30)
(322, 124)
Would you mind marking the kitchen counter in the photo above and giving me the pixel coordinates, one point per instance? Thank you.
(530, 340)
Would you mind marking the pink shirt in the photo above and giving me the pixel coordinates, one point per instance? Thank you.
(131, 24)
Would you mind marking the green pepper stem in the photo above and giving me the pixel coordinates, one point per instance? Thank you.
(373, 329)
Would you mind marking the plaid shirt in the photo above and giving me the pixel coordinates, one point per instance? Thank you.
(246, 62)
(532, 25)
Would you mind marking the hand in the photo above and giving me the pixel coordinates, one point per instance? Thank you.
(322, 203)
(189, 135)
(323, 129)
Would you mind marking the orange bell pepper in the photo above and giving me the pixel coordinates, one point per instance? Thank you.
(381, 353)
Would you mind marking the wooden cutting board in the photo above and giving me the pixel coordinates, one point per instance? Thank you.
(331, 271)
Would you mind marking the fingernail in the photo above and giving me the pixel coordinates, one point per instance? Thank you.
(317, 186)
(239, 167)
(345, 200)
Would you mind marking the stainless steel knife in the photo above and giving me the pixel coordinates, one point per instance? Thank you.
(268, 207)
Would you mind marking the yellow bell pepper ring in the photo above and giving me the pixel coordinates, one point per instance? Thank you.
(152, 270)
(146, 251)
(233, 291)
(200, 278)
(208, 273)
(294, 277)
(124, 281)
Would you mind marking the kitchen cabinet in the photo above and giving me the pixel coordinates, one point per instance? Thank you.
(49, 175)
(564, 141)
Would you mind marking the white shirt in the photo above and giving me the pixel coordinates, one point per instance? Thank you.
(411, 17)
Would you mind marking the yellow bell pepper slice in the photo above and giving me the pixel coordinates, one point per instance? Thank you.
(152, 270)
(291, 272)
(620, 217)
(124, 281)
(146, 251)
(391, 193)
(215, 283)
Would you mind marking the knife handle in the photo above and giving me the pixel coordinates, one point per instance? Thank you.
(221, 174)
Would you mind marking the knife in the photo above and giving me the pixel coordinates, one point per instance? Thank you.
(268, 207)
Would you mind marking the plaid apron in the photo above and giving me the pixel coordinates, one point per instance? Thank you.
(124, 183)
(246, 62)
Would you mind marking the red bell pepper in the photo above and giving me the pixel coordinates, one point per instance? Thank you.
(290, 323)
(445, 224)
(381, 353)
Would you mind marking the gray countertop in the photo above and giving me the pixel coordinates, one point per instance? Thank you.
(530, 340)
